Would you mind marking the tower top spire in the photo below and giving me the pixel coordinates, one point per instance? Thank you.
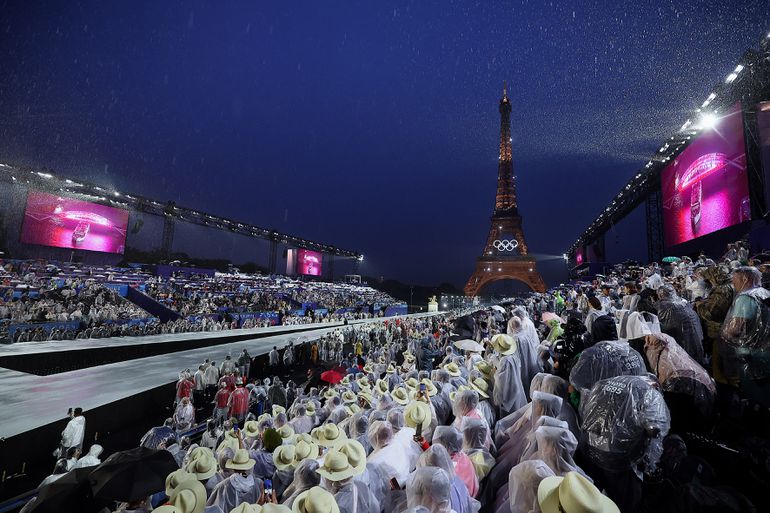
(505, 89)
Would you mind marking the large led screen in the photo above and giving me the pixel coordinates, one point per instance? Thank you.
(309, 262)
(706, 187)
(52, 220)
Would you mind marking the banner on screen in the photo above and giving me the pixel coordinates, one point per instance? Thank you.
(51, 220)
(309, 262)
(706, 188)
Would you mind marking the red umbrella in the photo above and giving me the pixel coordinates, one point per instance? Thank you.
(332, 376)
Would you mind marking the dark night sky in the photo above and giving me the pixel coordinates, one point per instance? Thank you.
(369, 125)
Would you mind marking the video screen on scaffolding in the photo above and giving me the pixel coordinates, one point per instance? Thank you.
(58, 221)
(309, 262)
(706, 187)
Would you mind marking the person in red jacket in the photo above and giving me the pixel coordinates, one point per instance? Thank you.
(184, 387)
(239, 403)
(229, 380)
(221, 403)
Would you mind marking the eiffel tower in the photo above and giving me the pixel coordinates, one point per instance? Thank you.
(505, 255)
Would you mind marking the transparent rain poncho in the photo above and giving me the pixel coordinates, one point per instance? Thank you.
(625, 420)
(530, 447)
(449, 437)
(396, 419)
(475, 435)
(305, 477)
(524, 479)
(431, 488)
(558, 386)
(556, 446)
(508, 392)
(678, 373)
(678, 319)
(745, 340)
(605, 360)
(505, 423)
(359, 428)
(380, 434)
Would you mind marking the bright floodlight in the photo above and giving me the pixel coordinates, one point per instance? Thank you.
(708, 121)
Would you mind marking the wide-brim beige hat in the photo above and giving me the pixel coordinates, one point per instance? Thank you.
(330, 393)
(367, 397)
(400, 395)
(245, 507)
(381, 387)
(202, 467)
(176, 478)
(329, 434)
(336, 466)
(240, 461)
(269, 507)
(251, 429)
(264, 416)
(352, 409)
(430, 388)
(363, 382)
(189, 497)
(283, 457)
(349, 397)
(302, 437)
(418, 413)
(390, 369)
(315, 500)
(452, 369)
(286, 432)
(481, 386)
(368, 368)
(411, 383)
(504, 344)
(310, 408)
(355, 453)
(485, 368)
(202, 452)
(277, 408)
(572, 493)
(305, 450)
(345, 380)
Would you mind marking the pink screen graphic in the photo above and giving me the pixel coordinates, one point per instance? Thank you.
(706, 187)
(51, 220)
(309, 262)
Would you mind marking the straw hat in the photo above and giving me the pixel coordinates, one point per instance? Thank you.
(355, 452)
(352, 409)
(244, 507)
(283, 457)
(277, 408)
(202, 467)
(367, 397)
(408, 358)
(189, 497)
(504, 344)
(304, 451)
(453, 394)
(486, 369)
(264, 416)
(417, 413)
(251, 429)
(429, 387)
(349, 397)
(390, 369)
(177, 477)
(572, 493)
(302, 437)
(345, 380)
(363, 382)
(381, 387)
(315, 500)
(167, 508)
(230, 442)
(412, 383)
(330, 393)
(310, 408)
(336, 466)
(368, 368)
(269, 507)
(400, 395)
(201, 452)
(240, 461)
(481, 386)
(286, 432)
(452, 369)
(329, 435)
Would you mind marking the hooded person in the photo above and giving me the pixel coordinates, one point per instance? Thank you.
(389, 456)
(223, 472)
(337, 477)
(438, 457)
(475, 436)
(284, 459)
(678, 319)
(526, 349)
(523, 482)
(359, 428)
(556, 446)
(527, 327)
(465, 405)
(430, 488)
(92, 458)
(264, 466)
(203, 468)
(508, 391)
(452, 440)
(240, 487)
(306, 476)
(73, 433)
(302, 423)
(559, 387)
(505, 423)
(184, 416)
(605, 360)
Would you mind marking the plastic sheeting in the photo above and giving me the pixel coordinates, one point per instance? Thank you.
(523, 482)
(678, 319)
(605, 360)
(746, 336)
(625, 420)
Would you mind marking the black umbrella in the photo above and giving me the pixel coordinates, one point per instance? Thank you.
(133, 474)
(71, 492)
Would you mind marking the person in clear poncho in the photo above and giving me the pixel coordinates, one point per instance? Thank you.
(466, 406)
(678, 319)
(560, 388)
(505, 423)
(359, 428)
(396, 419)
(305, 477)
(438, 457)
(527, 350)
(390, 458)
(556, 446)
(301, 423)
(240, 487)
(624, 422)
(605, 360)
(509, 455)
(523, 482)
(689, 390)
(745, 337)
(452, 440)
(527, 326)
(508, 392)
(223, 472)
(475, 436)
